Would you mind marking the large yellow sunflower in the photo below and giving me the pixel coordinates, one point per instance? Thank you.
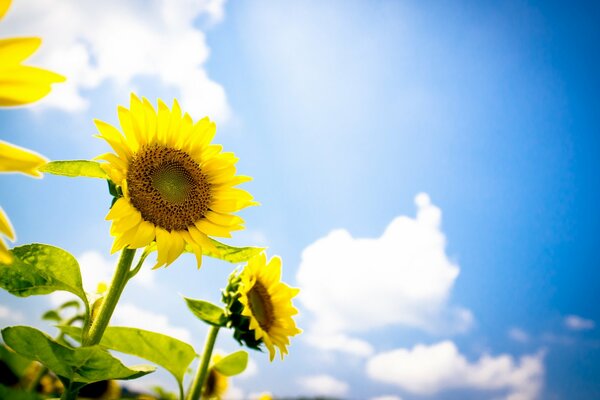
(21, 84)
(15, 159)
(267, 303)
(178, 188)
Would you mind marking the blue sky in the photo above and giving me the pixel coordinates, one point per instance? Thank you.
(344, 113)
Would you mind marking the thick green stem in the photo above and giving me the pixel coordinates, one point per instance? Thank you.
(198, 382)
(117, 285)
(70, 393)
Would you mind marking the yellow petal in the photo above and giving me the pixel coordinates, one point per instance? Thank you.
(17, 159)
(144, 235)
(5, 226)
(15, 50)
(4, 5)
(5, 256)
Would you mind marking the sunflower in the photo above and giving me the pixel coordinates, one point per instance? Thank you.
(260, 305)
(216, 384)
(15, 159)
(21, 84)
(178, 188)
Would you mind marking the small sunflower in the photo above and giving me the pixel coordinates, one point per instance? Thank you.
(260, 305)
(216, 384)
(21, 84)
(15, 159)
(178, 188)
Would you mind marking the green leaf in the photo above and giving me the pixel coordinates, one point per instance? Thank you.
(71, 303)
(172, 354)
(233, 364)
(17, 363)
(51, 315)
(207, 312)
(75, 168)
(16, 394)
(83, 364)
(228, 253)
(41, 269)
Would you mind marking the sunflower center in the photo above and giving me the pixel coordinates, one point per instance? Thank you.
(168, 187)
(261, 305)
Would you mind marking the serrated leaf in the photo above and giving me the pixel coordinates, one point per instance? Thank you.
(75, 168)
(207, 312)
(233, 364)
(17, 363)
(228, 253)
(82, 364)
(41, 269)
(170, 353)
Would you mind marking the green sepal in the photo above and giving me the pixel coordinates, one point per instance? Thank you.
(79, 365)
(207, 312)
(38, 269)
(75, 168)
(170, 353)
(233, 364)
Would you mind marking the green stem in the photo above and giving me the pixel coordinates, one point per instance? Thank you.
(117, 285)
(198, 382)
(70, 393)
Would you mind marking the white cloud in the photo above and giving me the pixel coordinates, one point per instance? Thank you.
(324, 385)
(339, 342)
(428, 370)
(250, 371)
(387, 397)
(93, 41)
(404, 277)
(95, 268)
(518, 335)
(127, 314)
(577, 323)
(10, 315)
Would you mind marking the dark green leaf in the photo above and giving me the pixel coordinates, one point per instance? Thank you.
(233, 364)
(83, 364)
(172, 354)
(41, 269)
(15, 394)
(207, 312)
(75, 168)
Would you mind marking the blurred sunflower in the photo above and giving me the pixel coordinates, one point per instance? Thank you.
(260, 305)
(178, 188)
(21, 84)
(216, 384)
(15, 159)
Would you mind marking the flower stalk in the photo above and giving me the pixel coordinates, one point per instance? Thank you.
(120, 278)
(200, 377)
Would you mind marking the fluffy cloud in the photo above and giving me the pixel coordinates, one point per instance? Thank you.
(577, 323)
(10, 315)
(432, 369)
(390, 397)
(93, 41)
(96, 268)
(131, 315)
(324, 385)
(518, 335)
(403, 277)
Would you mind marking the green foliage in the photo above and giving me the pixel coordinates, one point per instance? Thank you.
(75, 168)
(15, 394)
(17, 363)
(79, 365)
(207, 312)
(233, 364)
(51, 315)
(41, 269)
(170, 353)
